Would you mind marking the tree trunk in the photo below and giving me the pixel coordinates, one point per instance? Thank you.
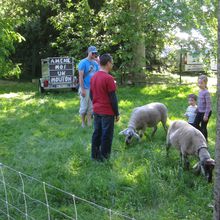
(217, 146)
(138, 62)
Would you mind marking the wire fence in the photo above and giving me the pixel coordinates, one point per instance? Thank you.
(25, 197)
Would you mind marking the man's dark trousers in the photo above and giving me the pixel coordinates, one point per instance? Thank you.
(102, 136)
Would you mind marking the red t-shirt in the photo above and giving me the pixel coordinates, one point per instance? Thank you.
(101, 85)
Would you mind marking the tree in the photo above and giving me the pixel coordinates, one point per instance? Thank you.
(76, 24)
(138, 44)
(8, 37)
(39, 36)
(134, 32)
(217, 146)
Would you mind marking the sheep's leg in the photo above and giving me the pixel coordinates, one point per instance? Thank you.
(144, 132)
(180, 165)
(181, 159)
(168, 144)
(155, 129)
(186, 162)
(167, 148)
(164, 126)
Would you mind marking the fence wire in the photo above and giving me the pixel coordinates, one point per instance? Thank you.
(25, 197)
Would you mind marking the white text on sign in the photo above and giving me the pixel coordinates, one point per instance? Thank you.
(61, 79)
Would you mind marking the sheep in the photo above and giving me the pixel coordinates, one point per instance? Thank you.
(190, 141)
(145, 116)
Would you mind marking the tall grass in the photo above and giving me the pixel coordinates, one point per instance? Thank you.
(41, 136)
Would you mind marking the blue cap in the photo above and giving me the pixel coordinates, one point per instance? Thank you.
(92, 49)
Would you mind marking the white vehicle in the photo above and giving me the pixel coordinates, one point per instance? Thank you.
(57, 73)
(192, 62)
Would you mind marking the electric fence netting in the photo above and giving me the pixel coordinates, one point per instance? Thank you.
(25, 197)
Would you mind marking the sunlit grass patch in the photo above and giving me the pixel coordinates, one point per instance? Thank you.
(42, 136)
(9, 95)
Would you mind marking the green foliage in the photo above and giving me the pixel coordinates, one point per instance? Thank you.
(8, 37)
(43, 138)
(39, 35)
(75, 23)
(115, 28)
(60, 28)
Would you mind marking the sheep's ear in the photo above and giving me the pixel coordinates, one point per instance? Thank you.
(196, 165)
(123, 132)
(197, 168)
(137, 136)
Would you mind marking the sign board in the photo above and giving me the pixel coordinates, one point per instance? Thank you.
(60, 70)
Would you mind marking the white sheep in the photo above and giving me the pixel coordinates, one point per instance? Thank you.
(190, 141)
(145, 116)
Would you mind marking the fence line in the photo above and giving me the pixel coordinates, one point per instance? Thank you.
(7, 190)
(23, 192)
(6, 195)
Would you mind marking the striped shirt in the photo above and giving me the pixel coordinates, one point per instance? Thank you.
(204, 102)
(191, 113)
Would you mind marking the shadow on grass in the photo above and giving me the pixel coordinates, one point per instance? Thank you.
(43, 138)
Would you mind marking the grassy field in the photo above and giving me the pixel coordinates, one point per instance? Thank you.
(41, 136)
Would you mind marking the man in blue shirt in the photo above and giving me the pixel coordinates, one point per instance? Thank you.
(87, 68)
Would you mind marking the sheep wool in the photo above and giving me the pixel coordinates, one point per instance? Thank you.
(145, 116)
(190, 141)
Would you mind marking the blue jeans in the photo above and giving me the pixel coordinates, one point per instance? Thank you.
(102, 136)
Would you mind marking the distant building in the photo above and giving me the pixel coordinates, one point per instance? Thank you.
(192, 62)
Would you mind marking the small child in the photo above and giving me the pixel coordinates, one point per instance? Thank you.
(192, 109)
(204, 106)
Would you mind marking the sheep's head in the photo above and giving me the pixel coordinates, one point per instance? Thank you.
(129, 134)
(206, 168)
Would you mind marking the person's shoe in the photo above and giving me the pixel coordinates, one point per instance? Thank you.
(83, 125)
(98, 159)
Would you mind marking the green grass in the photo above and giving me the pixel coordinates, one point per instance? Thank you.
(41, 136)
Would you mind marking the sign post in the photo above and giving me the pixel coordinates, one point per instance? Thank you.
(180, 66)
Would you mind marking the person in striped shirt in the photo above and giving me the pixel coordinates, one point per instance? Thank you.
(204, 106)
(191, 109)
